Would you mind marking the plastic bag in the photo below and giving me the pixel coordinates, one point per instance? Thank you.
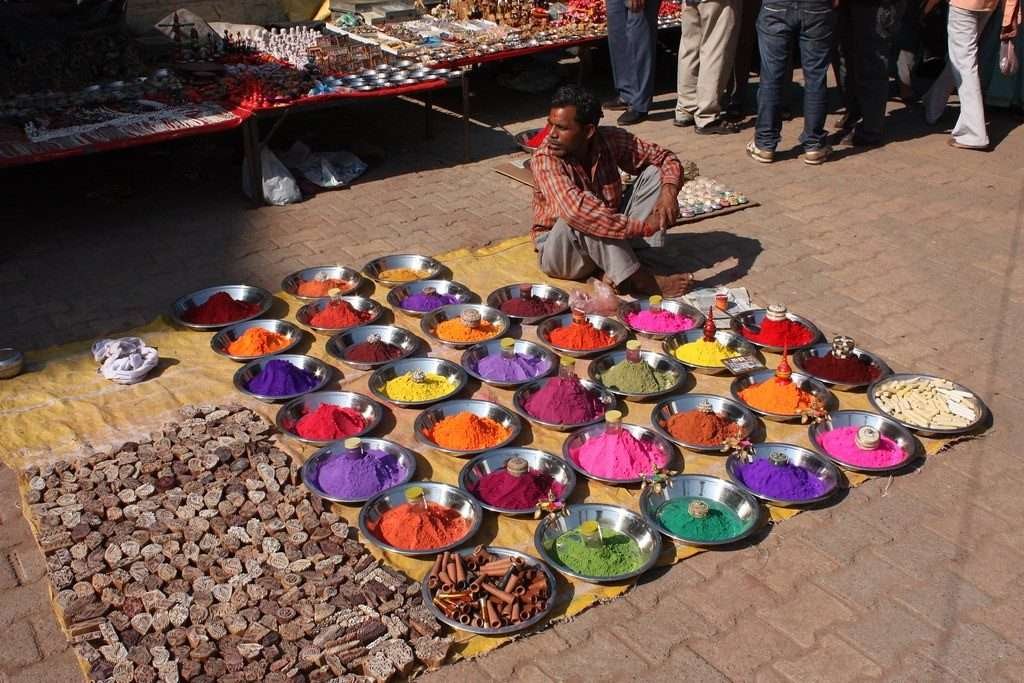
(324, 169)
(279, 187)
(1008, 64)
(599, 299)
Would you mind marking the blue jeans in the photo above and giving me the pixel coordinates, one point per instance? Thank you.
(777, 25)
(632, 39)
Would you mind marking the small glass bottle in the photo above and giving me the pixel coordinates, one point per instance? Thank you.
(567, 367)
(868, 438)
(579, 316)
(508, 348)
(353, 448)
(633, 351)
(517, 466)
(416, 497)
(612, 422)
(654, 304)
(590, 533)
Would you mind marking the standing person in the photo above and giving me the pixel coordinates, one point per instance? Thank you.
(632, 37)
(707, 46)
(967, 19)
(866, 34)
(746, 46)
(812, 22)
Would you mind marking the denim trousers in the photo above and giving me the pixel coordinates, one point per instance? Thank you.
(811, 24)
(632, 40)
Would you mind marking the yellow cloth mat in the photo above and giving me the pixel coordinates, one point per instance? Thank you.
(60, 406)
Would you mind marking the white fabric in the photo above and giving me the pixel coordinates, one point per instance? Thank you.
(125, 361)
(961, 73)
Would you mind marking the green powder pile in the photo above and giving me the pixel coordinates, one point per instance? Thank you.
(720, 524)
(617, 555)
(637, 378)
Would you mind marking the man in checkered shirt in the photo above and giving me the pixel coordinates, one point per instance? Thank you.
(583, 221)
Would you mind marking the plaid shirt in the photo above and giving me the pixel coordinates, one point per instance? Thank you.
(588, 199)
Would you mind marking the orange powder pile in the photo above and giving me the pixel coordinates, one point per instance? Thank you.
(580, 336)
(467, 432)
(777, 396)
(401, 275)
(322, 287)
(257, 341)
(457, 331)
(411, 527)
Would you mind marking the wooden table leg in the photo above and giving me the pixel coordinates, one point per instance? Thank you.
(465, 114)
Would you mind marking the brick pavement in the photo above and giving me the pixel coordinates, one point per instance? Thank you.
(913, 249)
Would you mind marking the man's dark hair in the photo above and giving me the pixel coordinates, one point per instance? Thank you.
(588, 109)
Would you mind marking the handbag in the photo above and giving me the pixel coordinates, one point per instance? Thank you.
(1008, 63)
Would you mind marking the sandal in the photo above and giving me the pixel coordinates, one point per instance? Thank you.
(977, 148)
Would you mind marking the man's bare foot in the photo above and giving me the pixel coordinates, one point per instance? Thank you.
(645, 283)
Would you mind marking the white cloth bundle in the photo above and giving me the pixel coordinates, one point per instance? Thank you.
(126, 361)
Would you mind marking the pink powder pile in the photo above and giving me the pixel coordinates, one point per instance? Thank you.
(619, 456)
(841, 444)
(659, 322)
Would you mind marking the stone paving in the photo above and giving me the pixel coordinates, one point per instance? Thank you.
(913, 249)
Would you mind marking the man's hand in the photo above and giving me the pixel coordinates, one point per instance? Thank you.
(635, 5)
(665, 213)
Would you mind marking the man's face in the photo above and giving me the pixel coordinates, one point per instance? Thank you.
(567, 138)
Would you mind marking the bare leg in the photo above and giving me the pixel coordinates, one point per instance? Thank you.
(645, 283)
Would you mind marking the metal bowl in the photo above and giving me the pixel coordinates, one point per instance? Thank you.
(611, 326)
(428, 266)
(612, 517)
(400, 293)
(525, 391)
(522, 138)
(351, 277)
(11, 362)
(222, 339)
(818, 465)
(492, 461)
(294, 410)
(359, 303)
(658, 361)
(246, 293)
(805, 382)
(880, 385)
(472, 356)
(731, 340)
(433, 492)
(429, 418)
(499, 296)
(431, 320)
(581, 436)
(886, 426)
(746, 506)
(389, 334)
(428, 598)
(726, 407)
(757, 315)
(311, 468)
(380, 377)
(670, 305)
(820, 350)
(247, 372)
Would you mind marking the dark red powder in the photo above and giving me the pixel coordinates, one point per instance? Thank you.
(504, 490)
(328, 423)
(849, 370)
(337, 315)
(220, 309)
(372, 352)
(529, 307)
(780, 333)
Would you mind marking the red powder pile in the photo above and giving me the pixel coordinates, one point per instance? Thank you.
(337, 315)
(328, 423)
(529, 307)
(220, 309)
(780, 333)
(504, 490)
(372, 352)
(849, 370)
(580, 336)
(413, 528)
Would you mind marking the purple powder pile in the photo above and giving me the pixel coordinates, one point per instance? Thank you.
(425, 303)
(281, 378)
(350, 478)
(516, 369)
(783, 482)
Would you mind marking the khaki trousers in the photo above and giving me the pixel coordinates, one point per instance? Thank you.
(707, 48)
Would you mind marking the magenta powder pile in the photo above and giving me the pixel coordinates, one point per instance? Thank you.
(505, 490)
(659, 322)
(619, 455)
(841, 444)
(564, 401)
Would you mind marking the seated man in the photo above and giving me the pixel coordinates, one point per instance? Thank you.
(581, 221)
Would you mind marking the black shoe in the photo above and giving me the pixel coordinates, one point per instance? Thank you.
(629, 117)
(718, 127)
(683, 121)
(615, 105)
